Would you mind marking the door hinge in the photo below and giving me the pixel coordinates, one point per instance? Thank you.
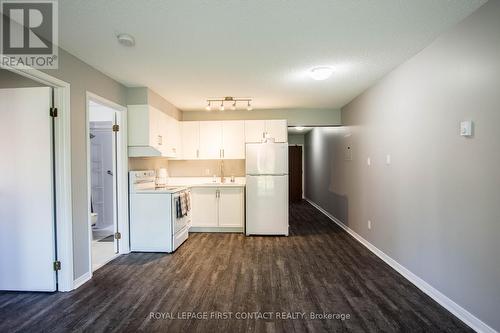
(116, 128)
(118, 235)
(57, 265)
(53, 112)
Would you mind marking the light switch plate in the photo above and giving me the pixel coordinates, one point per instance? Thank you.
(388, 159)
(369, 161)
(466, 128)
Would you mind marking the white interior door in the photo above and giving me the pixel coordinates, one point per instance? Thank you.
(27, 244)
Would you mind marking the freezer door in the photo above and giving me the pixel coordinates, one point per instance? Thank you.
(266, 159)
(267, 205)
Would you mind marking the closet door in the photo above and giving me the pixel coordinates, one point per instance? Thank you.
(27, 241)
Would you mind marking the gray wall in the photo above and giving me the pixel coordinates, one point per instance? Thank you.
(13, 80)
(295, 117)
(144, 95)
(296, 139)
(436, 208)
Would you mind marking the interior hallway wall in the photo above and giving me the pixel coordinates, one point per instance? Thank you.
(435, 209)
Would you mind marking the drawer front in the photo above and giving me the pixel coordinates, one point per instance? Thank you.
(180, 237)
(181, 223)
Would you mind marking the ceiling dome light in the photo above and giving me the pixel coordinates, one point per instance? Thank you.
(320, 73)
(221, 108)
(299, 128)
(249, 106)
(126, 40)
(208, 108)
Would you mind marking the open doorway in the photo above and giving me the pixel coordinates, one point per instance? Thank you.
(105, 158)
(296, 149)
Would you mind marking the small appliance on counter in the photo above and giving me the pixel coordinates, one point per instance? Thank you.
(160, 217)
(161, 177)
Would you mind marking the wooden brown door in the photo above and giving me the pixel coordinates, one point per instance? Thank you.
(295, 173)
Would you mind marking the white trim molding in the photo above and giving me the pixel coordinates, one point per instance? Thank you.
(462, 314)
(81, 280)
(62, 137)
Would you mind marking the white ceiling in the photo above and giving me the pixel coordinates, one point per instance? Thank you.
(189, 50)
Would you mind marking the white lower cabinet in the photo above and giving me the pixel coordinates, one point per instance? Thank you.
(217, 208)
(231, 207)
(204, 207)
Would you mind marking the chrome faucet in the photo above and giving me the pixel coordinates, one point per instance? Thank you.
(222, 171)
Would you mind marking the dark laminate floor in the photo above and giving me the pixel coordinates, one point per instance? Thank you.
(319, 268)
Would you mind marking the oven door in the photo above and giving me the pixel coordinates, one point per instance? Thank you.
(179, 223)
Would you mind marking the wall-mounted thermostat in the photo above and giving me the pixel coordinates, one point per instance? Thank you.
(466, 128)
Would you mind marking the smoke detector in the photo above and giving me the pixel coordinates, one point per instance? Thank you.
(126, 40)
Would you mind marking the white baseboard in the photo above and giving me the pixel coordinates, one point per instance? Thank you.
(81, 280)
(462, 314)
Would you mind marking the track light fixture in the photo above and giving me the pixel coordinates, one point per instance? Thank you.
(233, 100)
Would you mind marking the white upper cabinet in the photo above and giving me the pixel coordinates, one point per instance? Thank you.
(257, 130)
(254, 130)
(173, 137)
(233, 139)
(144, 137)
(210, 140)
(277, 129)
(190, 137)
(152, 132)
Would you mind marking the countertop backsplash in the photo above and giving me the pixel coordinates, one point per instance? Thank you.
(189, 168)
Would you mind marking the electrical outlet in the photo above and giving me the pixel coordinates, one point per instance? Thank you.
(369, 224)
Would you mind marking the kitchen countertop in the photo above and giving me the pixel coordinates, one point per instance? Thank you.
(205, 182)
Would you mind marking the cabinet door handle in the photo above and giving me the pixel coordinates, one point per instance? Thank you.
(197, 153)
(160, 140)
(222, 153)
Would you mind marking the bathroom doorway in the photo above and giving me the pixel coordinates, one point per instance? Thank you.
(104, 169)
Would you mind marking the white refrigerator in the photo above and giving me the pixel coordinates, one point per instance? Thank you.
(266, 189)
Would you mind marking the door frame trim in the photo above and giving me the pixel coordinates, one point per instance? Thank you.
(303, 164)
(63, 207)
(121, 178)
